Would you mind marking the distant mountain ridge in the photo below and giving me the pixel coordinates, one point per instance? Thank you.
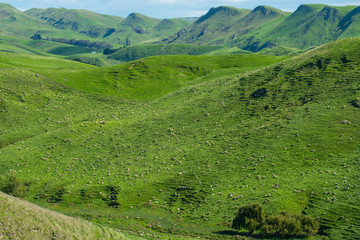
(86, 25)
(266, 27)
(263, 28)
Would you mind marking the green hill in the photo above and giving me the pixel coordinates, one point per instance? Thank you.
(139, 20)
(39, 223)
(18, 24)
(206, 28)
(349, 25)
(86, 22)
(180, 161)
(153, 77)
(310, 25)
(266, 28)
(171, 24)
(263, 29)
(86, 25)
(223, 24)
(320, 28)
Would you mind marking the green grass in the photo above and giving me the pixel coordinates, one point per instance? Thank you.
(96, 59)
(147, 50)
(39, 223)
(153, 77)
(179, 155)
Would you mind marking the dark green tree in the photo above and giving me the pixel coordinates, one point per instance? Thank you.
(127, 43)
(14, 186)
(250, 217)
(36, 37)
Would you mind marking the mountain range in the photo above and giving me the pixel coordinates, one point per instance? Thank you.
(261, 29)
(265, 27)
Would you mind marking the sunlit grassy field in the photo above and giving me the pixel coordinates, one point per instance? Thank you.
(140, 148)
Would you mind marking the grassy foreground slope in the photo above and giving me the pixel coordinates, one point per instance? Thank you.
(183, 162)
(39, 223)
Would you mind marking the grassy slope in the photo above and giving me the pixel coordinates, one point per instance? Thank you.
(224, 24)
(320, 28)
(96, 59)
(176, 164)
(15, 23)
(153, 77)
(39, 223)
(206, 28)
(147, 50)
(80, 20)
(349, 25)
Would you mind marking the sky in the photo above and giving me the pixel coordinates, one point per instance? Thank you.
(166, 8)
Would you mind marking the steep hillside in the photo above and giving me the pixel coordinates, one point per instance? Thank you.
(320, 28)
(267, 28)
(224, 24)
(349, 26)
(207, 27)
(39, 223)
(310, 25)
(182, 162)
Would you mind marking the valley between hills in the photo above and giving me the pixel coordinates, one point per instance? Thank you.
(145, 128)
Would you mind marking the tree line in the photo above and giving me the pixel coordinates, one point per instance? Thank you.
(82, 43)
(74, 42)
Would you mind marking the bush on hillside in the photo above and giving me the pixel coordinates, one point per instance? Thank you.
(14, 186)
(252, 218)
(288, 225)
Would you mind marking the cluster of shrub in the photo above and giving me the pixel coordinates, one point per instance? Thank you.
(82, 43)
(13, 186)
(252, 218)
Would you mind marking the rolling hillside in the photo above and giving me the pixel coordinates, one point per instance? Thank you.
(112, 29)
(182, 162)
(90, 23)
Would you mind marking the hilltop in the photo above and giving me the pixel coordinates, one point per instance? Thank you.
(183, 161)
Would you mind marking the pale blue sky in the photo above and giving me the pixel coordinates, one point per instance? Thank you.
(165, 8)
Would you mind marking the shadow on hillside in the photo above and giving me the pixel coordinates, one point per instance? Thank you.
(253, 236)
(234, 233)
(241, 234)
